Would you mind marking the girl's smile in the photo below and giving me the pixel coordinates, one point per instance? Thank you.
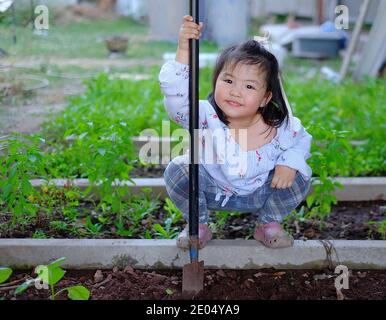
(233, 103)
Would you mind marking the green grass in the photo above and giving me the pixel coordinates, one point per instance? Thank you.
(86, 40)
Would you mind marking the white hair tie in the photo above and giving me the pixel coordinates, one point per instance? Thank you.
(264, 41)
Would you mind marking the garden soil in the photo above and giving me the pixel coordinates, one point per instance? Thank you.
(264, 284)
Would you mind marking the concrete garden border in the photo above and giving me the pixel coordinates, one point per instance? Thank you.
(163, 254)
(355, 189)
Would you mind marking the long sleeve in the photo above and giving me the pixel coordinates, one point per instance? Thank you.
(174, 83)
(295, 156)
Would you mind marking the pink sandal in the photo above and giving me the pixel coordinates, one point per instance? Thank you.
(272, 235)
(204, 233)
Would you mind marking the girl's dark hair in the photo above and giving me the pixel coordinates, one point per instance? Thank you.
(252, 53)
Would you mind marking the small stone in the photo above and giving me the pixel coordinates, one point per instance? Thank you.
(98, 276)
(157, 295)
(321, 276)
(247, 283)
(362, 274)
(221, 273)
(279, 274)
(128, 269)
(339, 295)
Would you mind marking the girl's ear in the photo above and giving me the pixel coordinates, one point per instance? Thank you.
(267, 98)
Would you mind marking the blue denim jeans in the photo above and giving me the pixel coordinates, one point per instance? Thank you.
(269, 204)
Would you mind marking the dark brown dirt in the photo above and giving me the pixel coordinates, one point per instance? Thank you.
(348, 220)
(150, 171)
(265, 284)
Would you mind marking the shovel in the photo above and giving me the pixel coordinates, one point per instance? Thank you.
(193, 272)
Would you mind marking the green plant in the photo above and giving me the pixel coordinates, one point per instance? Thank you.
(167, 232)
(173, 216)
(93, 228)
(124, 230)
(328, 154)
(58, 225)
(141, 206)
(39, 234)
(54, 200)
(169, 292)
(221, 218)
(21, 159)
(346, 107)
(173, 212)
(5, 273)
(380, 227)
(48, 276)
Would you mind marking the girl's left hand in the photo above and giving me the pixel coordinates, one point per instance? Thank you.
(283, 177)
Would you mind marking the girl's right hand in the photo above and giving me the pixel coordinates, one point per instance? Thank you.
(188, 30)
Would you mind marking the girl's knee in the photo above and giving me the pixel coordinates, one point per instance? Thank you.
(304, 184)
(176, 171)
(301, 186)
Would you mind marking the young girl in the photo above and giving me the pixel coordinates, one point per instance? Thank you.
(272, 178)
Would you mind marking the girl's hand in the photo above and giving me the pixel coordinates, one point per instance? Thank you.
(189, 30)
(283, 177)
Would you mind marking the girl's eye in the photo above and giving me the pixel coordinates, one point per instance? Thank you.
(250, 87)
(227, 81)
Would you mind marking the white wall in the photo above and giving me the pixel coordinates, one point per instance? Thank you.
(261, 8)
(136, 9)
(307, 8)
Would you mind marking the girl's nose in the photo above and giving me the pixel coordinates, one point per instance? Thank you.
(235, 91)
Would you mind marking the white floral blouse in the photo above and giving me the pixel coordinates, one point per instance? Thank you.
(237, 172)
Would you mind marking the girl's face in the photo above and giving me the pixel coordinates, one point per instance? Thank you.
(239, 93)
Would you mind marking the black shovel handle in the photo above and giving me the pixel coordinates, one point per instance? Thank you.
(193, 124)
